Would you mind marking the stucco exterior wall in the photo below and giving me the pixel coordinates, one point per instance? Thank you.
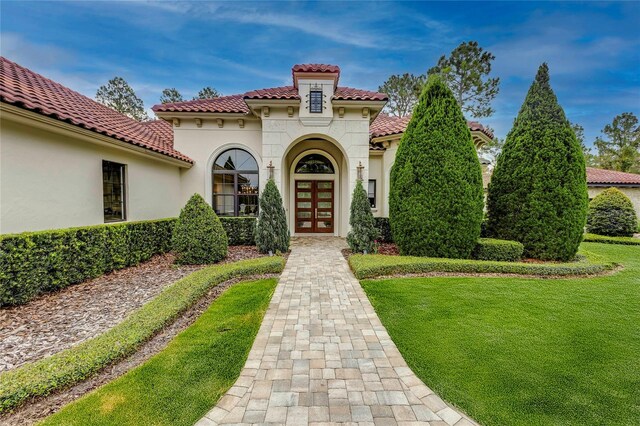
(631, 192)
(49, 181)
(376, 172)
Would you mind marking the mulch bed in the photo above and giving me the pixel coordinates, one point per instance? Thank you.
(56, 321)
(38, 409)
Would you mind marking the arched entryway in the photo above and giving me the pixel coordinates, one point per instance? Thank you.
(314, 192)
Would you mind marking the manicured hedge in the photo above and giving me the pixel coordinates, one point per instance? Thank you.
(384, 229)
(32, 263)
(82, 361)
(240, 230)
(370, 266)
(500, 250)
(630, 241)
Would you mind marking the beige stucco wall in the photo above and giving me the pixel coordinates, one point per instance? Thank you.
(632, 193)
(50, 180)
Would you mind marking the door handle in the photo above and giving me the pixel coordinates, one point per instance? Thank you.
(316, 213)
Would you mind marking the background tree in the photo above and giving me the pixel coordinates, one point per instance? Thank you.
(170, 95)
(538, 191)
(620, 149)
(611, 213)
(404, 91)
(198, 237)
(207, 93)
(363, 232)
(436, 195)
(589, 158)
(117, 94)
(272, 233)
(466, 73)
(491, 150)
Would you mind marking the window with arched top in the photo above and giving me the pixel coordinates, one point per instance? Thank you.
(235, 184)
(315, 163)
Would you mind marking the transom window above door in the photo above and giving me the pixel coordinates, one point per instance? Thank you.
(235, 184)
(316, 164)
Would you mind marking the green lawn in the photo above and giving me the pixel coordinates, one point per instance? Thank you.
(515, 351)
(184, 381)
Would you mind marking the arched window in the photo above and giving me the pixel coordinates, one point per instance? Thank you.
(235, 184)
(315, 163)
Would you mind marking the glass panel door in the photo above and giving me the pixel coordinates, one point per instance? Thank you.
(314, 206)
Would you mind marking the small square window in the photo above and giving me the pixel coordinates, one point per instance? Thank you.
(113, 195)
(371, 192)
(315, 101)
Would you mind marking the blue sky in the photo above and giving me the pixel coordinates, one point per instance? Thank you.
(593, 49)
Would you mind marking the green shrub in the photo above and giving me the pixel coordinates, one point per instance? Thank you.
(629, 241)
(363, 234)
(240, 230)
(611, 213)
(500, 250)
(376, 265)
(436, 195)
(272, 233)
(198, 237)
(32, 263)
(384, 229)
(87, 358)
(538, 191)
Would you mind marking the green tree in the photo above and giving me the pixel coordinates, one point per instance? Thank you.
(492, 150)
(611, 213)
(363, 232)
(620, 148)
(272, 233)
(466, 73)
(436, 196)
(170, 95)
(589, 158)
(404, 91)
(207, 93)
(118, 95)
(198, 237)
(538, 191)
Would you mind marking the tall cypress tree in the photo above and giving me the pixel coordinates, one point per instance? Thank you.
(363, 232)
(272, 233)
(538, 191)
(436, 196)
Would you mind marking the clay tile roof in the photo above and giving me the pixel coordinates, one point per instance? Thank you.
(611, 177)
(386, 125)
(285, 92)
(316, 68)
(26, 89)
(230, 104)
(351, 94)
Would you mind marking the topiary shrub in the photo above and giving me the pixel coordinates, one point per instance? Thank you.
(363, 232)
(241, 231)
(611, 213)
(384, 229)
(272, 233)
(436, 195)
(501, 250)
(538, 191)
(198, 237)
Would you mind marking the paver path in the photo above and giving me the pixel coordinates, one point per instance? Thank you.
(323, 357)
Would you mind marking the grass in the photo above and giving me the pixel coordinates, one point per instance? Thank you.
(181, 383)
(594, 238)
(516, 351)
(87, 358)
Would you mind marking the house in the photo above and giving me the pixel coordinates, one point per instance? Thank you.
(629, 183)
(67, 160)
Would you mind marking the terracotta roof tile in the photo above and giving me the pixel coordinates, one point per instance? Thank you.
(224, 104)
(285, 92)
(351, 94)
(386, 125)
(26, 89)
(611, 177)
(334, 69)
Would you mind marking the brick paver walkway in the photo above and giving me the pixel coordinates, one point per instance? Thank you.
(323, 357)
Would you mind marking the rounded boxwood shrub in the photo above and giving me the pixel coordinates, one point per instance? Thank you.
(436, 195)
(363, 234)
(611, 213)
(502, 250)
(538, 191)
(272, 233)
(198, 237)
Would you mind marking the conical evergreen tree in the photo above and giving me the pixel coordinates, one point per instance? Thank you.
(363, 232)
(436, 195)
(198, 237)
(538, 191)
(272, 233)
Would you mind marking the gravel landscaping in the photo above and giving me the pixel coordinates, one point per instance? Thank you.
(56, 321)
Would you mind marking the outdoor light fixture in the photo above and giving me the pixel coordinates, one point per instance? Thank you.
(360, 169)
(271, 168)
